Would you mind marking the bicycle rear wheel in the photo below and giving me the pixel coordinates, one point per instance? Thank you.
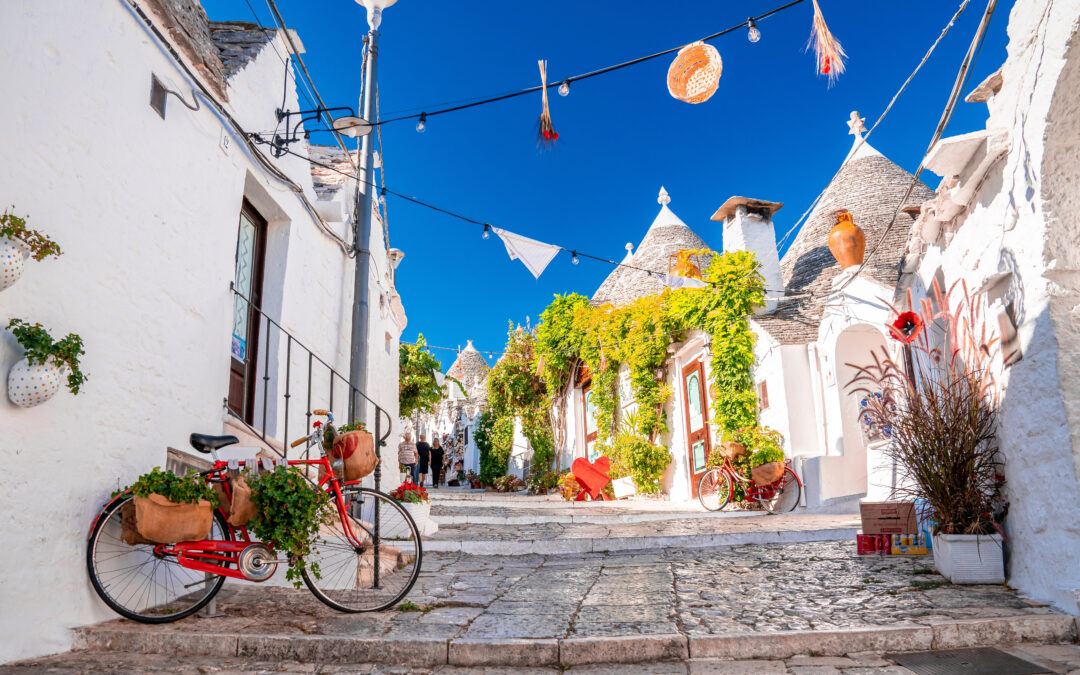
(373, 569)
(783, 496)
(714, 489)
(138, 583)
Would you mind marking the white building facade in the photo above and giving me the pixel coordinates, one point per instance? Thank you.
(158, 213)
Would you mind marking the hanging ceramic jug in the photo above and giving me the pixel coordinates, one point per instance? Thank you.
(847, 241)
(13, 255)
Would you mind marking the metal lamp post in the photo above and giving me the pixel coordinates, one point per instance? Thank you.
(365, 199)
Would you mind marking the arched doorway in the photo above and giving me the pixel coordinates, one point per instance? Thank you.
(864, 461)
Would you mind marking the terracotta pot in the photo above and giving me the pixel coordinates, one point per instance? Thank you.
(847, 241)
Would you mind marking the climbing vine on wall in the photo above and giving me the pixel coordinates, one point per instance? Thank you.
(637, 336)
(516, 392)
(494, 438)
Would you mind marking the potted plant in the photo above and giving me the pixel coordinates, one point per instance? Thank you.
(37, 377)
(939, 411)
(166, 508)
(474, 480)
(353, 447)
(288, 514)
(766, 448)
(17, 243)
(415, 500)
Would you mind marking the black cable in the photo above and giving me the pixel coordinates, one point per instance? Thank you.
(592, 73)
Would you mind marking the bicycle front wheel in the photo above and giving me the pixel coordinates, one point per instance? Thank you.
(714, 489)
(370, 561)
(139, 583)
(783, 496)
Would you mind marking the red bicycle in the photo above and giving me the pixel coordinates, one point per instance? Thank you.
(716, 489)
(368, 553)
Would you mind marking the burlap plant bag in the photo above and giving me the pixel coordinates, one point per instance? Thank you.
(223, 499)
(356, 449)
(243, 509)
(166, 522)
(768, 473)
(129, 531)
(733, 450)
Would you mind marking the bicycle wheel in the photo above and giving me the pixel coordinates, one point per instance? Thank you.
(783, 496)
(373, 569)
(139, 584)
(714, 489)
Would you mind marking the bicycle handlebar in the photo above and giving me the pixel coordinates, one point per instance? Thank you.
(320, 411)
(299, 441)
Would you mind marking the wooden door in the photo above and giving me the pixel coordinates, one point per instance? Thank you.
(589, 417)
(250, 254)
(696, 411)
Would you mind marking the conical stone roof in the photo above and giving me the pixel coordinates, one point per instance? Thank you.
(869, 185)
(666, 236)
(470, 368)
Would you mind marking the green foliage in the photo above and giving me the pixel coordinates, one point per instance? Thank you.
(289, 511)
(766, 455)
(418, 390)
(494, 438)
(557, 341)
(549, 480)
(187, 489)
(515, 391)
(632, 454)
(40, 348)
(510, 483)
(41, 246)
(765, 444)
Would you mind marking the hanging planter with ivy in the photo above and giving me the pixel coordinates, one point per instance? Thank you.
(37, 377)
(17, 244)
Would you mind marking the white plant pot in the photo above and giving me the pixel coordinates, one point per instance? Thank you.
(13, 256)
(970, 558)
(421, 513)
(31, 385)
(624, 487)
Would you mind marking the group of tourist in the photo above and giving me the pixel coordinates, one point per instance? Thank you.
(419, 458)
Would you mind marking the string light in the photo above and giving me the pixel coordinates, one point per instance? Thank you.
(422, 124)
(564, 88)
(573, 257)
(487, 231)
(752, 32)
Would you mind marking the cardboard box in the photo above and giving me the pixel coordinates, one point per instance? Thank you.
(888, 518)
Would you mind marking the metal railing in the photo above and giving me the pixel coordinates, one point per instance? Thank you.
(317, 386)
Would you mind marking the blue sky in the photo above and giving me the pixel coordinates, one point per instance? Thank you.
(773, 130)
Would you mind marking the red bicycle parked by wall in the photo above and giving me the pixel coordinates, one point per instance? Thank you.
(716, 489)
(369, 552)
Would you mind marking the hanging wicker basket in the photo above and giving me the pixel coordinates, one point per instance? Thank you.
(694, 75)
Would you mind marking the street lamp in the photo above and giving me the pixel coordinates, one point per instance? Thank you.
(364, 198)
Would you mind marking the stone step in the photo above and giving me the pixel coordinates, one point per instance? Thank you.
(570, 652)
(722, 529)
(451, 516)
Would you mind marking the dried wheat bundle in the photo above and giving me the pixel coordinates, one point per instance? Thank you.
(548, 135)
(828, 53)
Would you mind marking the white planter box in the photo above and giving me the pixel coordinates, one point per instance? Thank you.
(13, 256)
(624, 487)
(970, 558)
(421, 513)
(29, 385)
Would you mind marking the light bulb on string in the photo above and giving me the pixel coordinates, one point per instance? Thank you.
(422, 124)
(752, 32)
(487, 231)
(573, 257)
(564, 88)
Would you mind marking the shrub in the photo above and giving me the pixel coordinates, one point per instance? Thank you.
(288, 514)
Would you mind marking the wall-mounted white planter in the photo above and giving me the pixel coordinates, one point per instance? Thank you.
(421, 513)
(970, 558)
(31, 385)
(13, 256)
(624, 487)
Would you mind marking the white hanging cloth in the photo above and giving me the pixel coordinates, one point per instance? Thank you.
(533, 254)
(675, 281)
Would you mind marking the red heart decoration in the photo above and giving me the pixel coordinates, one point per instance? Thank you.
(592, 476)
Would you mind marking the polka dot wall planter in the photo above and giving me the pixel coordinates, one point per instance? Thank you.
(31, 385)
(13, 256)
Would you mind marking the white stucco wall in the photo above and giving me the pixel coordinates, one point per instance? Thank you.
(146, 211)
(1016, 224)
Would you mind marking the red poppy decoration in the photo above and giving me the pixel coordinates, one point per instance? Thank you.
(906, 327)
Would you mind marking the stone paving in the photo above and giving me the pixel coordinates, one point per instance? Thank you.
(1056, 658)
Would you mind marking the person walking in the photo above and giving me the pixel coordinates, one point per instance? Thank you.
(407, 455)
(424, 451)
(436, 461)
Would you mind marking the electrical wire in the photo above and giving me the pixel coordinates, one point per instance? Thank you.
(974, 49)
(592, 73)
(859, 143)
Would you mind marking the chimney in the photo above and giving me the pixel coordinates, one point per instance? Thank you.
(748, 226)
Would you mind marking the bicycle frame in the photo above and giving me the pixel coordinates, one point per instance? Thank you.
(752, 489)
